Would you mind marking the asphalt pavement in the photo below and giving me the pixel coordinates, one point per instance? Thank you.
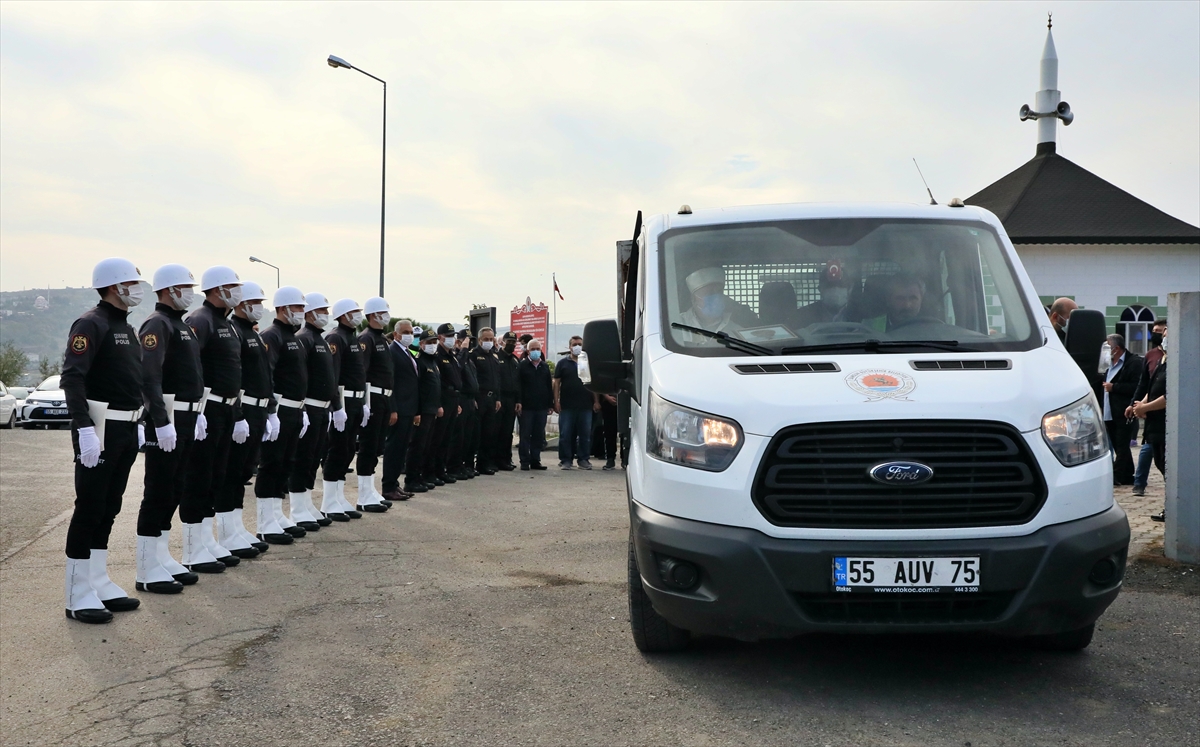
(494, 612)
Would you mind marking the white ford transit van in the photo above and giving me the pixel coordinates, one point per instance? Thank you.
(855, 418)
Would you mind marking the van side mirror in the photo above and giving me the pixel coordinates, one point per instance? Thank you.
(1086, 333)
(602, 343)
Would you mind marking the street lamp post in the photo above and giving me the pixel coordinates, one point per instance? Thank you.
(268, 264)
(336, 62)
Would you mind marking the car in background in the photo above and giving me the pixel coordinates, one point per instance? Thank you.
(20, 392)
(46, 406)
(8, 407)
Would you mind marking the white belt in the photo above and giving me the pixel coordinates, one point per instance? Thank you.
(293, 403)
(181, 406)
(354, 395)
(248, 400)
(377, 390)
(222, 400)
(316, 402)
(125, 416)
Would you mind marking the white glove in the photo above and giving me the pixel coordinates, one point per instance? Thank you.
(304, 427)
(339, 419)
(272, 431)
(141, 435)
(89, 447)
(166, 437)
(241, 431)
(201, 427)
(366, 415)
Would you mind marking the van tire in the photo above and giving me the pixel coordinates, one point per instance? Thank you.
(651, 631)
(1070, 640)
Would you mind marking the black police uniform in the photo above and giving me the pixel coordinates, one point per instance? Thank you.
(256, 401)
(221, 358)
(487, 371)
(288, 361)
(417, 477)
(321, 398)
(170, 365)
(439, 448)
(405, 375)
(508, 384)
(461, 463)
(352, 380)
(378, 363)
(104, 364)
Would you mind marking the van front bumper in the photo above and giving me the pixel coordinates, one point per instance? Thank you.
(752, 586)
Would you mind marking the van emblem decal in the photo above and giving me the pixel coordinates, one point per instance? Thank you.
(879, 385)
(901, 473)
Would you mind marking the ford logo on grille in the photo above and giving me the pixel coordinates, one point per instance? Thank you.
(901, 473)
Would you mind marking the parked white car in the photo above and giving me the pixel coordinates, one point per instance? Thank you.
(46, 406)
(8, 407)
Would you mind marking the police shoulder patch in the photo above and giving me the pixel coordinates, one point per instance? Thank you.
(333, 348)
(79, 344)
(150, 341)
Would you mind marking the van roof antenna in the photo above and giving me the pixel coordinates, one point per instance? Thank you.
(927, 189)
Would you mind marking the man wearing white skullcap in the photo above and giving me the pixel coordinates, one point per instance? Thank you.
(711, 309)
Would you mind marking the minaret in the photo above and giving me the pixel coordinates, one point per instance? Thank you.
(1048, 101)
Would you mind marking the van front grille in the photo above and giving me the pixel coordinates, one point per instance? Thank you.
(865, 609)
(817, 475)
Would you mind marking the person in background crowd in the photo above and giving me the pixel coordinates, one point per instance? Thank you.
(461, 463)
(509, 386)
(574, 405)
(287, 420)
(352, 382)
(451, 379)
(1141, 475)
(1060, 313)
(256, 404)
(429, 411)
(378, 363)
(405, 374)
(103, 364)
(221, 359)
(173, 390)
(487, 402)
(1118, 387)
(608, 413)
(534, 401)
(1153, 407)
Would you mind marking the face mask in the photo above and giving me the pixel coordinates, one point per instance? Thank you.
(576, 349)
(1164, 346)
(431, 348)
(406, 340)
(254, 312)
(294, 318)
(835, 297)
(132, 295)
(448, 343)
(186, 296)
(510, 347)
(1156, 338)
(356, 318)
(712, 307)
(487, 346)
(320, 320)
(535, 355)
(232, 296)
(383, 318)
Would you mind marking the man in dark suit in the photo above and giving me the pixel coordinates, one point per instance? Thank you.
(1117, 392)
(404, 409)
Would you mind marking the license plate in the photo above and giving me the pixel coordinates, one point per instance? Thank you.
(906, 575)
(55, 411)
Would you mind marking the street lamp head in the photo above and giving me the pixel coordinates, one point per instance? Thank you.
(336, 62)
(255, 259)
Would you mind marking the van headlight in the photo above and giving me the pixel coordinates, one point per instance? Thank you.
(1076, 432)
(684, 436)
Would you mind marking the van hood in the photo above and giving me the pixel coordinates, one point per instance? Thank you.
(872, 387)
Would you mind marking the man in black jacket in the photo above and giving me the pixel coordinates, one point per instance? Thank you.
(405, 374)
(352, 382)
(461, 463)
(487, 402)
(378, 364)
(1117, 392)
(451, 379)
(509, 388)
(429, 411)
(533, 404)
(103, 364)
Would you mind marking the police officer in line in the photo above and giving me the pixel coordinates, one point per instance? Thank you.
(102, 381)
(443, 430)
(461, 464)
(323, 408)
(256, 400)
(221, 360)
(173, 392)
(286, 418)
(405, 375)
(508, 385)
(378, 364)
(417, 478)
(487, 371)
(352, 383)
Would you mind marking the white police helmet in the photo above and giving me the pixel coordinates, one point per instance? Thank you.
(169, 276)
(217, 276)
(375, 304)
(314, 301)
(252, 291)
(288, 295)
(344, 306)
(112, 271)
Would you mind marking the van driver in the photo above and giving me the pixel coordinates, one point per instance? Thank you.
(711, 309)
(904, 296)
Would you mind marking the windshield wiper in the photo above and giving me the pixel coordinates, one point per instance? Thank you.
(874, 345)
(732, 343)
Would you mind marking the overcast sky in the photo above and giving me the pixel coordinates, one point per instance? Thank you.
(523, 138)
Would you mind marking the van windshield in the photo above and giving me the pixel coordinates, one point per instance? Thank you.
(852, 284)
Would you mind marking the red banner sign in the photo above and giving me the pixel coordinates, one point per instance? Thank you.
(530, 319)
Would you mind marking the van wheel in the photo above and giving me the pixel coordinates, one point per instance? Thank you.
(651, 632)
(1071, 640)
